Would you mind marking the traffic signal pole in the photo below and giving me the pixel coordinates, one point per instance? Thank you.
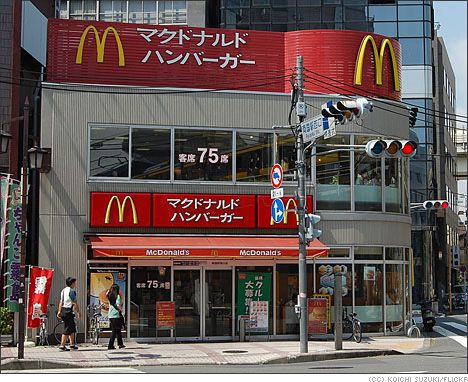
(301, 169)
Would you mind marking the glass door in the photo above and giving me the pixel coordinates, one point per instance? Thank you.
(187, 298)
(218, 302)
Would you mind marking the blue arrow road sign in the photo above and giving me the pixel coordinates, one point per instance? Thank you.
(277, 210)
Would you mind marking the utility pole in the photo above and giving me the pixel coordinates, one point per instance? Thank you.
(301, 169)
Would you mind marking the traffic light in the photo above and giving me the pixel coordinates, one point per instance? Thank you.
(435, 204)
(391, 148)
(413, 113)
(311, 232)
(346, 111)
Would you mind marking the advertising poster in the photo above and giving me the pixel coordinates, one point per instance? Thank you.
(258, 317)
(369, 273)
(165, 315)
(14, 248)
(252, 286)
(317, 309)
(100, 282)
(39, 290)
(327, 273)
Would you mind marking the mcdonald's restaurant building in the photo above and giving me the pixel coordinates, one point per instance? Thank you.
(161, 166)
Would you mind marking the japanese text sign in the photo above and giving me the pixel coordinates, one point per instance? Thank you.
(39, 290)
(204, 211)
(165, 315)
(258, 316)
(252, 286)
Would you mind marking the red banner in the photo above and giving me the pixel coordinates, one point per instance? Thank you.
(204, 211)
(188, 57)
(39, 290)
(113, 209)
(291, 218)
(165, 315)
(317, 309)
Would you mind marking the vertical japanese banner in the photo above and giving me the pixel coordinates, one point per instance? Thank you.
(252, 286)
(4, 186)
(100, 282)
(14, 248)
(40, 283)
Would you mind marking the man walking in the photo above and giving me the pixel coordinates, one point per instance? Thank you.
(67, 306)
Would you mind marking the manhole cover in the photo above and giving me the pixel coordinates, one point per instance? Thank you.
(235, 351)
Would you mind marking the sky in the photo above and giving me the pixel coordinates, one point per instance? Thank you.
(452, 16)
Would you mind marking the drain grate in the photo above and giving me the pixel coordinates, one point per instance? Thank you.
(235, 351)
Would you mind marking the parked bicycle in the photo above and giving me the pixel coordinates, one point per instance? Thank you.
(94, 315)
(43, 336)
(351, 326)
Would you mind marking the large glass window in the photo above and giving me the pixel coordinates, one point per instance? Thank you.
(368, 180)
(112, 10)
(368, 292)
(333, 175)
(394, 295)
(386, 28)
(410, 12)
(172, 12)
(410, 29)
(412, 51)
(109, 151)
(149, 285)
(382, 13)
(151, 153)
(393, 185)
(254, 153)
(203, 155)
(287, 289)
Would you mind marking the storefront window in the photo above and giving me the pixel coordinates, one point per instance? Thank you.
(368, 180)
(368, 294)
(109, 154)
(393, 186)
(333, 177)
(254, 153)
(368, 253)
(151, 154)
(287, 289)
(287, 156)
(148, 285)
(204, 155)
(394, 296)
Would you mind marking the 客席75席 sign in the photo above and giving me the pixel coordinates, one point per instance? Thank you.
(135, 210)
(189, 57)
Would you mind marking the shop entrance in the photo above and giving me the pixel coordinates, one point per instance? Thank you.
(204, 303)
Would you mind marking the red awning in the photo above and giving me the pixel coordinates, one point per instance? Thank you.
(211, 247)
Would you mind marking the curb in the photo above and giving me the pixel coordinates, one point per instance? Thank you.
(34, 364)
(330, 356)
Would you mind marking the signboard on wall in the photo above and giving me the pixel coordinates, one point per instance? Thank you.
(290, 219)
(99, 283)
(258, 317)
(317, 309)
(252, 286)
(81, 51)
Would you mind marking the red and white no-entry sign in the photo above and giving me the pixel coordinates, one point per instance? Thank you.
(276, 175)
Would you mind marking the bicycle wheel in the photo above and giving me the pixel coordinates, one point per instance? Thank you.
(43, 340)
(96, 332)
(357, 332)
(347, 329)
(58, 331)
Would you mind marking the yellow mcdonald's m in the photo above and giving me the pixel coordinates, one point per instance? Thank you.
(286, 212)
(121, 209)
(378, 60)
(100, 44)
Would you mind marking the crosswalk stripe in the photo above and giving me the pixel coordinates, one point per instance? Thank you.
(456, 325)
(447, 333)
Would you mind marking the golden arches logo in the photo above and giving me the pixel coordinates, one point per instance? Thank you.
(100, 44)
(121, 209)
(378, 61)
(286, 212)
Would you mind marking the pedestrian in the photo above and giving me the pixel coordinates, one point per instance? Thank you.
(68, 306)
(115, 316)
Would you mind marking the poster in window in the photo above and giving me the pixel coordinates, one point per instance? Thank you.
(369, 273)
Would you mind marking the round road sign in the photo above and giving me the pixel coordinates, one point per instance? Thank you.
(276, 176)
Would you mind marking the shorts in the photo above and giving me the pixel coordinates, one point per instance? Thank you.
(68, 318)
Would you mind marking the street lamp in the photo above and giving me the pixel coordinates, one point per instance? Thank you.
(5, 139)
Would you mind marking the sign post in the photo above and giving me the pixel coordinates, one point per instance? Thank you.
(165, 316)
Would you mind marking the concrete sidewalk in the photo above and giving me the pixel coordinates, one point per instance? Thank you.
(245, 353)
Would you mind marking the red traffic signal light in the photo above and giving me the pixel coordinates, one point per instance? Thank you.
(391, 148)
(435, 204)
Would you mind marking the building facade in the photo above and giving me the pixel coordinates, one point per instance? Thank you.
(166, 191)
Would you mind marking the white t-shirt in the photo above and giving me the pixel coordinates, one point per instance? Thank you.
(67, 297)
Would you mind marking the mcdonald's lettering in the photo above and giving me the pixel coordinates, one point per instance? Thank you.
(378, 61)
(100, 44)
(121, 209)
